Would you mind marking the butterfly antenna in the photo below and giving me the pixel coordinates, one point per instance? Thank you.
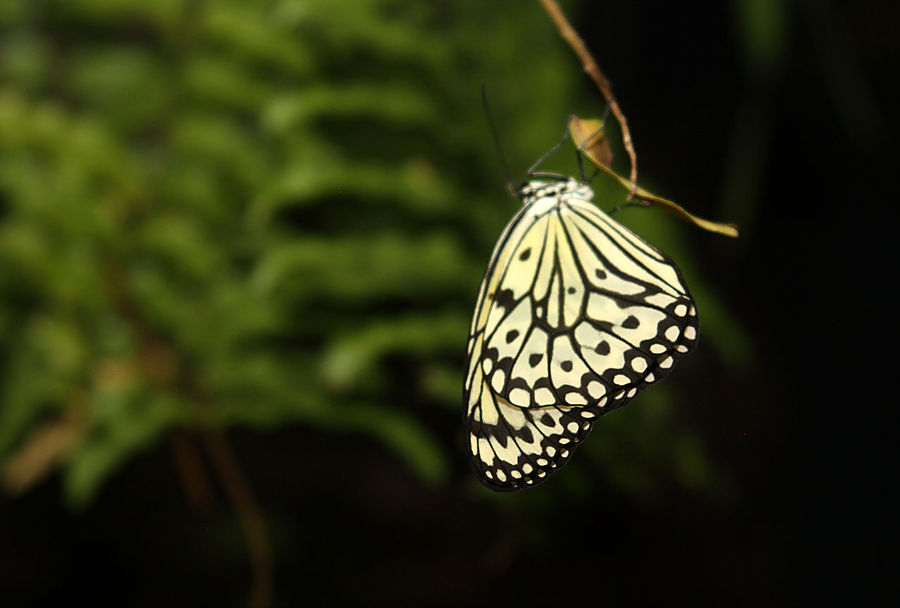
(490, 121)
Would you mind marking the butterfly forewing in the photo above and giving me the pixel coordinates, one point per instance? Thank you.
(575, 315)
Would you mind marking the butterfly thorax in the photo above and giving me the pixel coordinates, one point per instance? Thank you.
(535, 190)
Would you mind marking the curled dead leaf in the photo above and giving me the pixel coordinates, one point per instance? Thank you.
(589, 137)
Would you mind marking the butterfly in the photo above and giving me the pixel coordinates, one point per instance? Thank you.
(575, 315)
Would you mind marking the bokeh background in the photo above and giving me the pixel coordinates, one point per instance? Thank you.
(240, 243)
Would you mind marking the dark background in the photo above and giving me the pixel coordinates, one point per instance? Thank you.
(799, 148)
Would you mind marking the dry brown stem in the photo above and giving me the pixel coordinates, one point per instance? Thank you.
(593, 70)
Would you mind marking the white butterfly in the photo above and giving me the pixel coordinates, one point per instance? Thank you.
(575, 315)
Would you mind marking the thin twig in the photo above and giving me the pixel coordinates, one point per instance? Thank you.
(593, 70)
(191, 471)
(241, 495)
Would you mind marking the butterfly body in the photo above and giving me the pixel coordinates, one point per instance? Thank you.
(575, 315)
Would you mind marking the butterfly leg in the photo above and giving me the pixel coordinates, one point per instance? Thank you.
(637, 203)
(532, 170)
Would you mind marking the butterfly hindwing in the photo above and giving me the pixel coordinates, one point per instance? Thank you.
(575, 315)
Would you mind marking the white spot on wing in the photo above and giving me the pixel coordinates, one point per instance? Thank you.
(576, 399)
(497, 380)
(596, 390)
(520, 397)
(543, 396)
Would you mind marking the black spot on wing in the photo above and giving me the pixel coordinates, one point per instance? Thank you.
(505, 300)
(500, 433)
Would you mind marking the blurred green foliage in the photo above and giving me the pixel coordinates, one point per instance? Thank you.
(239, 213)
